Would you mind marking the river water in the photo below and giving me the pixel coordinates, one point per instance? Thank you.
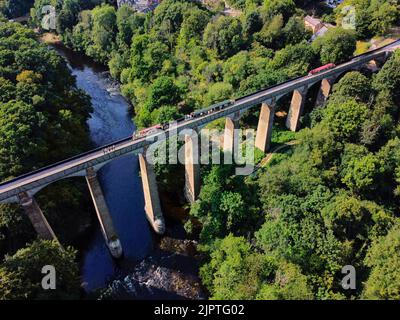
(152, 267)
(119, 179)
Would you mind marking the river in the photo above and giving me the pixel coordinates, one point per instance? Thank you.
(152, 268)
(119, 179)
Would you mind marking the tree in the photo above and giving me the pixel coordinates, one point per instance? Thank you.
(233, 206)
(294, 60)
(28, 76)
(129, 23)
(118, 63)
(170, 14)
(147, 58)
(388, 77)
(138, 68)
(389, 156)
(296, 232)
(165, 114)
(346, 216)
(224, 271)
(363, 23)
(15, 228)
(345, 119)
(81, 37)
(21, 273)
(67, 16)
(211, 71)
(7, 92)
(262, 78)
(295, 31)
(234, 272)
(103, 32)
(252, 24)
(163, 91)
(384, 15)
(271, 35)
(289, 284)
(224, 35)
(193, 25)
(384, 260)
(218, 92)
(238, 68)
(154, 57)
(43, 119)
(353, 85)
(336, 45)
(21, 136)
(380, 123)
(207, 209)
(359, 174)
(285, 8)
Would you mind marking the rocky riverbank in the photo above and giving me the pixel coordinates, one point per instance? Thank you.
(169, 273)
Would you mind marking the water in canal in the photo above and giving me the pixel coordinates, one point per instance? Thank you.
(120, 179)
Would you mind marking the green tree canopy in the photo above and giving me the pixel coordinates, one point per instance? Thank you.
(384, 260)
(352, 85)
(21, 273)
(224, 35)
(163, 91)
(337, 45)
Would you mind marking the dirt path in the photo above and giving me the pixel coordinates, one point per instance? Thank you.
(270, 154)
(50, 38)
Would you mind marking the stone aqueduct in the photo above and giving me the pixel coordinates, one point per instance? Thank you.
(22, 189)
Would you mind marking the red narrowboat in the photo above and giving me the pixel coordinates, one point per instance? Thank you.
(323, 68)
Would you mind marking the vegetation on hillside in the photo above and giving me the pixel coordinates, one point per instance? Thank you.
(21, 274)
(333, 202)
(284, 234)
(184, 56)
(42, 120)
(372, 17)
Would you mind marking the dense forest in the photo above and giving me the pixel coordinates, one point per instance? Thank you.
(285, 233)
(332, 201)
(15, 8)
(42, 120)
(185, 55)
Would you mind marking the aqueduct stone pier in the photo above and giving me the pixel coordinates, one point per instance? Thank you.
(22, 189)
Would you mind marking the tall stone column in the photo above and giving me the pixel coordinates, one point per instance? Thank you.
(103, 214)
(151, 196)
(325, 90)
(36, 216)
(296, 109)
(265, 124)
(192, 167)
(230, 134)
